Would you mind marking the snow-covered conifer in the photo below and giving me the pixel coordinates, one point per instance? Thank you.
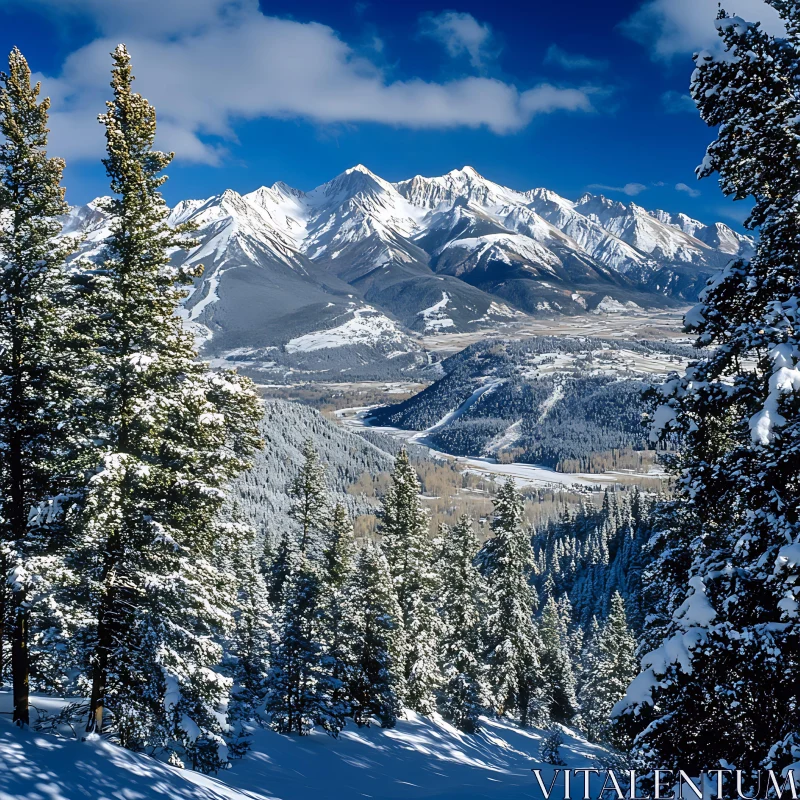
(310, 502)
(338, 559)
(462, 601)
(253, 634)
(408, 548)
(513, 644)
(301, 687)
(556, 665)
(168, 436)
(727, 668)
(38, 375)
(375, 627)
(610, 667)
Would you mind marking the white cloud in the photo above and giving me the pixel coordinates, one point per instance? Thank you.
(682, 187)
(234, 63)
(630, 189)
(672, 27)
(678, 103)
(572, 61)
(460, 33)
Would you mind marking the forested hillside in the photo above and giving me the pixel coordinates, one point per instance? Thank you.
(542, 400)
(260, 493)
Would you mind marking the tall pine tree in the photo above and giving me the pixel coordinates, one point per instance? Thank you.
(727, 670)
(409, 551)
(513, 644)
(462, 601)
(375, 627)
(37, 366)
(611, 666)
(169, 435)
(556, 665)
(310, 503)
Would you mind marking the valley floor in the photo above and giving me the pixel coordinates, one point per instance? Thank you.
(523, 474)
(420, 758)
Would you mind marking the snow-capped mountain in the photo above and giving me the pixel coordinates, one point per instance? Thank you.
(293, 277)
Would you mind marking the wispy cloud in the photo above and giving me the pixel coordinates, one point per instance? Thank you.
(678, 103)
(671, 27)
(630, 189)
(573, 61)
(262, 67)
(461, 34)
(682, 187)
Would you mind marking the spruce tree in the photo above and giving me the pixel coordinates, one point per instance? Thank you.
(375, 628)
(556, 665)
(727, 669)
(253, 635)
(168, 435)
(611, 666)
(338, 559)
(462, 600)
(301, 688)
(309, 572)
(513, 644)
(310, 503)
(278, 567)
(37, 359)
(408, 548)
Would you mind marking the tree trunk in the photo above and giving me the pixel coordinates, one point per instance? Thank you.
(19, 661)
(97, 701)
(19, 529)
(3, 617)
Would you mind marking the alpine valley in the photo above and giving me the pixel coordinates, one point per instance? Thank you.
(345, 279)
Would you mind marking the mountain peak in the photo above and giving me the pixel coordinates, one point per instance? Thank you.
(465, 172)
(362, 169)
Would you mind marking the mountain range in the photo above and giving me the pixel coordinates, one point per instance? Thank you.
(340, 279)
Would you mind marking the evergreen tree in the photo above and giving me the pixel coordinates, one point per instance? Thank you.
(337, 606)
(278, 568)
(556, 665)
(37, 359)
(301, 688)
(513, 645)
(408, 548)
(339, 551)
(253, 633)
(375, 679)
(611, 666)
(727, 668)
(462, 599)
(310, 504)
(168, 437)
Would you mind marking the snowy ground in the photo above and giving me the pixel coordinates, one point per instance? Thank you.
(523, 474)
(420, 758)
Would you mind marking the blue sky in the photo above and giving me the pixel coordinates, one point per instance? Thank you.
(572, 95)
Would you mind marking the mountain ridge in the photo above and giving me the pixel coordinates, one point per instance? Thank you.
(424, 255)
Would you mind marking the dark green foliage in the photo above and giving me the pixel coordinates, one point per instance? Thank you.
(725, 664)
(375, 678)
(408, 549)
(167, 437)
(513, 647)
(39, 364)
(464, 693)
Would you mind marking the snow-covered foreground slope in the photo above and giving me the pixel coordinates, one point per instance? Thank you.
(419, 758)
(38, 767)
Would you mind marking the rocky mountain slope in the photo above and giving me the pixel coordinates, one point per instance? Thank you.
(339, 279)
